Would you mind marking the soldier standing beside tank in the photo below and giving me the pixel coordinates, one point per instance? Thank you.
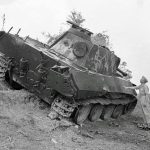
(144, 98)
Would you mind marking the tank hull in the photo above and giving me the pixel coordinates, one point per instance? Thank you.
(48, 74)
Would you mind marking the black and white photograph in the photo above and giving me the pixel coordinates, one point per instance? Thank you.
(74, 75)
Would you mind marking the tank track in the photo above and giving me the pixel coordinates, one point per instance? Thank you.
(3, 67)
(87, 109)
(63, 107)
(4, 61)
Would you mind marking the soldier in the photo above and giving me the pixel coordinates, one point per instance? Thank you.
(144, 98)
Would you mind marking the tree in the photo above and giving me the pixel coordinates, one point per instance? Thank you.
(76, 17)
(123, 67)
(3, 21)
(50, 38)
(101, 39)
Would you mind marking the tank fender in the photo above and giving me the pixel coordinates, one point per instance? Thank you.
(94, 82)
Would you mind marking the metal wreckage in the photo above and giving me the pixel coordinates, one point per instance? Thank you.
(78, 79)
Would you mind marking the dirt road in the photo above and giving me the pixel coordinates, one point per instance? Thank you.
(24, 125)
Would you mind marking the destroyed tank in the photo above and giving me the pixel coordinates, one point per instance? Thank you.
(80, 80)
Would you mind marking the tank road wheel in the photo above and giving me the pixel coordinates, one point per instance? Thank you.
(118, 111)
(96, 112)
(82, 113)
(130, 107)
(108, 112)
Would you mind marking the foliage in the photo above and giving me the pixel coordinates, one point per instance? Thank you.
(101, 39)
(123, 67)
(76, 17)
(98, 38)
(51, 38)
(3, 21)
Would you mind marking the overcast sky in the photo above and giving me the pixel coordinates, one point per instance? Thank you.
(127, 22)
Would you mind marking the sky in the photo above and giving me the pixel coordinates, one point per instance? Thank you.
(127, 22)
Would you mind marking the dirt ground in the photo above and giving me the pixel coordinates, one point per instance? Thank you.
(24, 125)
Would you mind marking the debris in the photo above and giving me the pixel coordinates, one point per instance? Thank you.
(99, 132)
(143, 126)
(76, 126)
(62, 124)
(74, 139)
(114, 124)
(54, 141)
(66, 122)
(79, 141)
(53, 115)
(86, 135)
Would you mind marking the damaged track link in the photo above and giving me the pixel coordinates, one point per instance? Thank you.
(4, 67)
(91, 110)
(63, 107)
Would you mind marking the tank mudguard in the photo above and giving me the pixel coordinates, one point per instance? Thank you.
(90, 83)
